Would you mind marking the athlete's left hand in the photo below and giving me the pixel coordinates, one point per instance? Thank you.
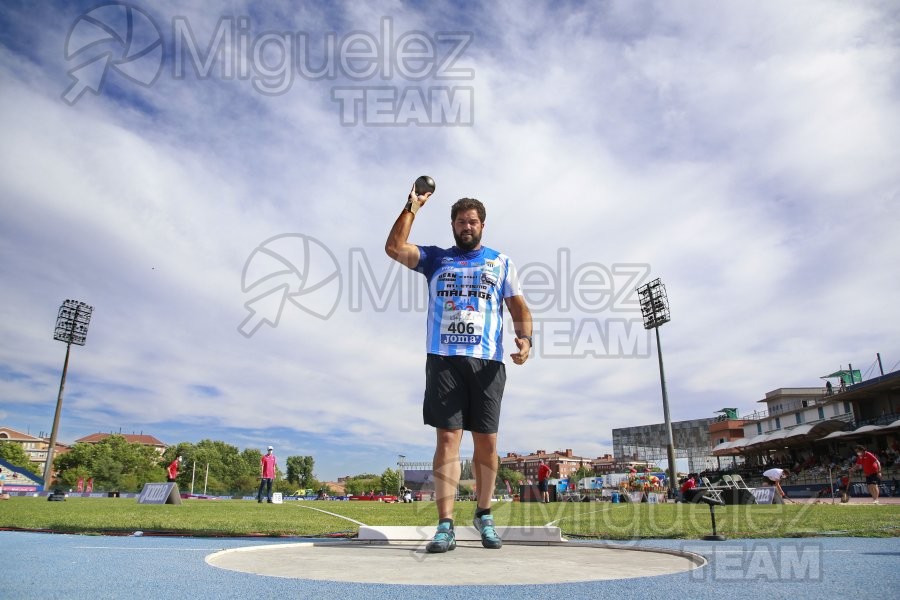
(524, 350)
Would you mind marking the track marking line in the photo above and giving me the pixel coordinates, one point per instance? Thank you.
(553, 523)
(769, 550)
(332, 514)
(133, 549)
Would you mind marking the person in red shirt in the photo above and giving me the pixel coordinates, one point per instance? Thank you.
(871, 468)
(266, 475)
(689, 484)
(543, 481)
(172, 470)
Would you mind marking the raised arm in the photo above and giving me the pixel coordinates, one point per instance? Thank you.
(521, 317)
(397, 245)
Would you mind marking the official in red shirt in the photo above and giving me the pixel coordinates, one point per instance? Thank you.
(871, 467)
(172, 470)
(543, 483)
(266, 475)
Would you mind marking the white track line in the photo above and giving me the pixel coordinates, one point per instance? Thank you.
(553, 523)
(332, 514)
(141, 549)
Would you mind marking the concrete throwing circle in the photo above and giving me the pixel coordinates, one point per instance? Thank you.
(408, 563)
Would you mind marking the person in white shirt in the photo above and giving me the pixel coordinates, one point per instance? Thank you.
(774, 477)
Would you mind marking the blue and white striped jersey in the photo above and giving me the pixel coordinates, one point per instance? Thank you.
(466, 291)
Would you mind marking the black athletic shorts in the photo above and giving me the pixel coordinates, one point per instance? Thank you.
(873, 479)
(462, 392)
(543, 485)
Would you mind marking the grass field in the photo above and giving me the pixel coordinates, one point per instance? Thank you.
(305, 519)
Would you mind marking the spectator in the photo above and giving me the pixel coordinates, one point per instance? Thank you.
(690, 483)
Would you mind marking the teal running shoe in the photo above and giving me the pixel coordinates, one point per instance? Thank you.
(443, 541)
(489, 537)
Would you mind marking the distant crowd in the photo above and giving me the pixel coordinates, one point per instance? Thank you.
(807, 464)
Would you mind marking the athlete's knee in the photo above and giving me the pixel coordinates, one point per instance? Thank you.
(449, 438)
(485, 442)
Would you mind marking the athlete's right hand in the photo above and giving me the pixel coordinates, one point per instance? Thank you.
(418, 199)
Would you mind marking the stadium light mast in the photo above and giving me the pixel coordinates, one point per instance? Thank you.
(655, 312)
(401, 462)
(72, 323)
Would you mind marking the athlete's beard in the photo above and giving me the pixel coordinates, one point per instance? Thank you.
(473, 242)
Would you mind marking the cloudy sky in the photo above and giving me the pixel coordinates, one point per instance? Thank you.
(218, 184)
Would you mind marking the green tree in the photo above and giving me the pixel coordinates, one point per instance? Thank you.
(284, 486)
(513, 477)
(390, 481)
(228, 469)
(74, 464)
(113, 463)
(246, 485)
(15, 455)
(106, 471)
(69, 478)
(248, 482)
(300, 470)
(362, 484)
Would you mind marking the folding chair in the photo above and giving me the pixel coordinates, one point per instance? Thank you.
(740, 483)
(715, 494)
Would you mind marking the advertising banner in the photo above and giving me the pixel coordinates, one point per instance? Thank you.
(160, 493)
(419, 480)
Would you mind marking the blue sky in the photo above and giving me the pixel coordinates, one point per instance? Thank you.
(745, 154)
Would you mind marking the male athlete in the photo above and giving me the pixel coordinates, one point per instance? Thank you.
(468, 286)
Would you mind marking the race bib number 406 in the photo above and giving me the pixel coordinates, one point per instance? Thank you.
(462, 327)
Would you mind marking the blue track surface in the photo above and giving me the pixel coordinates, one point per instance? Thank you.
(34, 565)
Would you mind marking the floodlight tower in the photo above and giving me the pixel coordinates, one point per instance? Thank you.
(401, 463)
(72, 323)
(655, 311)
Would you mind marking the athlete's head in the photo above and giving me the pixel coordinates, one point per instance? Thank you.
(464, 204)
(467, 218)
